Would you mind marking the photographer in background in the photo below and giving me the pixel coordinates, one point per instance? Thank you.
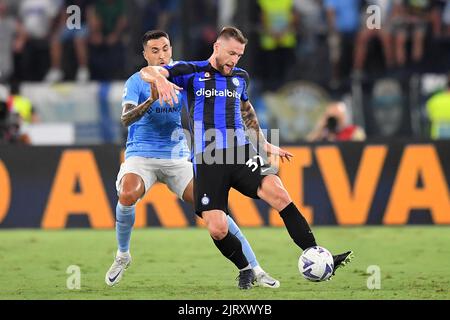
(333, 126)
(10, 122)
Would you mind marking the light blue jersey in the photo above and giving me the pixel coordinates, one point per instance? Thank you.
(158, 134)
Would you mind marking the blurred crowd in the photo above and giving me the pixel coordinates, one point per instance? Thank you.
(328, 42)
(42, 40)
(352, 39)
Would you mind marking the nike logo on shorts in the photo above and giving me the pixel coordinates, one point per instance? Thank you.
(264, 170)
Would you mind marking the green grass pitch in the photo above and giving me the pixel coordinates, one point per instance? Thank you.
(184, 264)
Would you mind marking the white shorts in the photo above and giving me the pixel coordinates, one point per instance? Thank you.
(176, 174)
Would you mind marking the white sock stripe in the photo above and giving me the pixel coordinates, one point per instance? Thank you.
(125, 209)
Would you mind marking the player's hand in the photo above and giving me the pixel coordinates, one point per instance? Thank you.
(167, 91)
(277, 151)
(154, 92)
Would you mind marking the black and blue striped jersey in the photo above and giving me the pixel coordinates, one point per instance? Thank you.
(213, 103)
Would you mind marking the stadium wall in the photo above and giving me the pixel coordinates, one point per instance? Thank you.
(341, 184)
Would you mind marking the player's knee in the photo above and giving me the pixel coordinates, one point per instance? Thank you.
(128, 198)
(218, 231)
(282, 198)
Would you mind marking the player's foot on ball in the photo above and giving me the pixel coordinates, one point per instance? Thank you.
(263, 279)
(340, 260)
(120, 264)
(246, 279)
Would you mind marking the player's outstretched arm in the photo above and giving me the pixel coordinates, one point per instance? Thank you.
(167, 91)
(255, 133)
(251, 123)
(132, 113)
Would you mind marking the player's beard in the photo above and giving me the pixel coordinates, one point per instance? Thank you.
(221, 68)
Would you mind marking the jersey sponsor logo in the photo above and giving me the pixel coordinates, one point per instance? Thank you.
(217, 93)
(165, 110)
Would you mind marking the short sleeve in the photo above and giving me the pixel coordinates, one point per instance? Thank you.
(131, 91)
(180, 72)
(244, 96)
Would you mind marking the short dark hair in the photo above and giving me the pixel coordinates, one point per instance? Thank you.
(154, 34)
(232, 32)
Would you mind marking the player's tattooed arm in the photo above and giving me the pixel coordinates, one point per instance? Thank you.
(251, 123)
(132, 113)
(255, 133)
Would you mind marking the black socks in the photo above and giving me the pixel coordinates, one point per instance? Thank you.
(297, 227)
(231, 248)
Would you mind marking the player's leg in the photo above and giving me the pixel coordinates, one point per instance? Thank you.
(131, 189)
(248, 252)
(211, 188)
(274, 193)
(177, 181)
(178, 176)
(262, 277)
(270, 188)
(229, 245)
(132, 183)
(248, 180)
(188, 193)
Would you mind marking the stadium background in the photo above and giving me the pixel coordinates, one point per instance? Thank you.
(58, 168)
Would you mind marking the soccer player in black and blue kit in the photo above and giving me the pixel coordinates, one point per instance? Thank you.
(221, 121)
(157, 150)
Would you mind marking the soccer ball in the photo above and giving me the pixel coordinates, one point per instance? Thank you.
(316, 264)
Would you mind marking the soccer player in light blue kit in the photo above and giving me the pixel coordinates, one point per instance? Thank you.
(156, 150)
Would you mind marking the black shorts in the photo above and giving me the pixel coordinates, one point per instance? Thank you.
(212, 181)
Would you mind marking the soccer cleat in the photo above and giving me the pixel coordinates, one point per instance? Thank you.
(265, 280)
(246, 279)
(341, 260)
(120, 264)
